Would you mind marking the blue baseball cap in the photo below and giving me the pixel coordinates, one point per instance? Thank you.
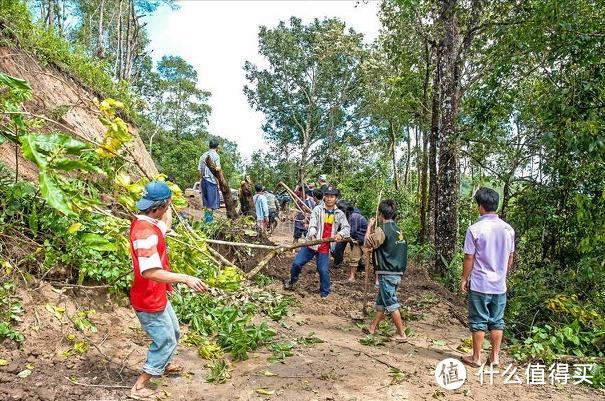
(154, 191)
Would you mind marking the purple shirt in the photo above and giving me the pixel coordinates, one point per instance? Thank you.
(492, 241)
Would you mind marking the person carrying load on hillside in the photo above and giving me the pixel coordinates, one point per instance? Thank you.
(489, 247)
(208, 185)
(327, 221)
(390, 258)
(152, 280)
(262, 208)
(273, 206)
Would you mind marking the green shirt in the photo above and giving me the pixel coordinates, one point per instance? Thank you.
(390, 249)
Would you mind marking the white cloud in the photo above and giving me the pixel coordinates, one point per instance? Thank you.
(217, 37)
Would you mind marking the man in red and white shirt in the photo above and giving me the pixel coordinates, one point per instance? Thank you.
(152, 280)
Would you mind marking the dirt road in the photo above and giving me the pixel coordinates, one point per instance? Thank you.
(339, 368)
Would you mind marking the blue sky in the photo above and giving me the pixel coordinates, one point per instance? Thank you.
(217, 37)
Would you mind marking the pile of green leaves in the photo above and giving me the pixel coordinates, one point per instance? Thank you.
(230, 326)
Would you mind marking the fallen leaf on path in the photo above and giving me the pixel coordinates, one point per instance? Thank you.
(3, 362)
(268, 373)
(439, 343)
(24, 373)
(264, 391)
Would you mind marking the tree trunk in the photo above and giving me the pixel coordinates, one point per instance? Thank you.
(303, 162)
(406, 176)
(394, 155)
(506, 196)
(118, 63)
(100, 48)
(223, 184)
(246, 198)
(50, 14)
(423, 175)
(433, 139)
(446, 225)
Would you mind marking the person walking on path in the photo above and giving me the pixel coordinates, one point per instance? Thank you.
(489, 247)
(262, 207)
(273, 205)
(152, 280)
(208, 185)
(390, 255)
(326, 221)
(301, 221)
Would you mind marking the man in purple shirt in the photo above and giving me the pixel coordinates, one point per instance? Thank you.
(488, 255)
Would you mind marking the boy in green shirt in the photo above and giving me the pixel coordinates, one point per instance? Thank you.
(390, 258)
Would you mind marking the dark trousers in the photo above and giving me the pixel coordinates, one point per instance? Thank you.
(338, 253)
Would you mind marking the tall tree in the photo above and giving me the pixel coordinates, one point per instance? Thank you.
(307, 91)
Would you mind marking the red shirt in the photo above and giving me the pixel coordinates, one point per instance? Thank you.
(148, 251)
(327, 231)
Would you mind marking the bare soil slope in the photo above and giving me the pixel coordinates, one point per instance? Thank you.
(61, 98)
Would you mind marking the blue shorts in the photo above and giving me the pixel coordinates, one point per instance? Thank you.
(387, 292)
(486, 311)
(210, 196)
(163, 328)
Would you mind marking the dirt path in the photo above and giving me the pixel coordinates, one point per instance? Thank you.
(340, 368)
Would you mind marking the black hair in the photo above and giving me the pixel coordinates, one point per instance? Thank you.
(213, 143)
(388, 209)
(258, 188)
(488, 198)
(318, 194)
(155, 206)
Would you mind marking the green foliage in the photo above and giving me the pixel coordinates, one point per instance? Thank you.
(49, 47)
(373, 340)
(219, 372)
(228, 324)
(309, 89)
(281, 350)
(10, 311)
(262, 280)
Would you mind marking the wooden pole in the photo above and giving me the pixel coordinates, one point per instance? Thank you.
(294, 196)
(281, 249)
(242, 244)
(368, 258)
(261, 264)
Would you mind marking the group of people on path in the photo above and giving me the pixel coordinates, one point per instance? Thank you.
(266, 205)
(488, 249)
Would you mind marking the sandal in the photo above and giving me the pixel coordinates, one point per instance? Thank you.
(400, 340)
(468, 360)
(143, 396)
